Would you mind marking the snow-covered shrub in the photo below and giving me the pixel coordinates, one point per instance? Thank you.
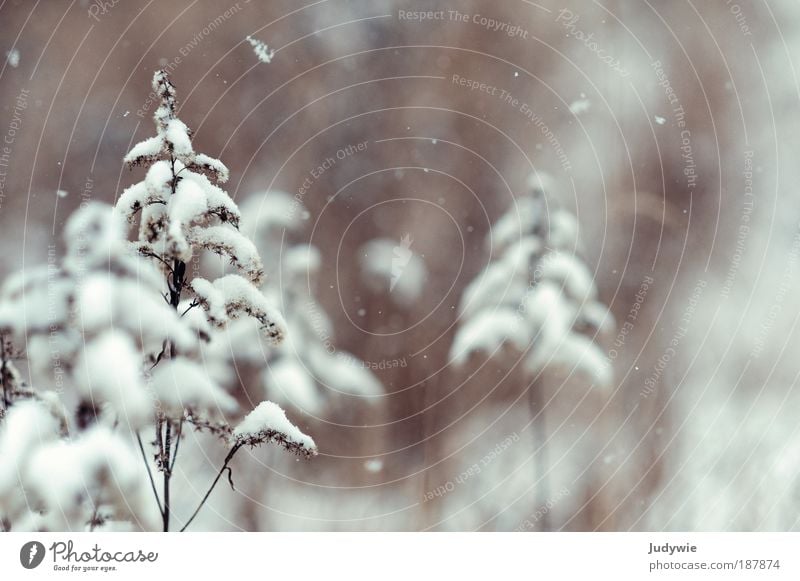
(536, 296)
(535, 304)
(86, 324)
(120, 330)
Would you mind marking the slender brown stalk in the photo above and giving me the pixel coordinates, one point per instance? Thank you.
(167, 472)
(149, 474)
(228, 458)
(539, 431)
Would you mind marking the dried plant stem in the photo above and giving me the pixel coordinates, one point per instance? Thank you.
(177, 445)
(167, 472)
(228, 458)
(149, 473)
(539, 430)
(3, 372)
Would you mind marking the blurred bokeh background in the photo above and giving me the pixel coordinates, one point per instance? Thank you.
(668, 129)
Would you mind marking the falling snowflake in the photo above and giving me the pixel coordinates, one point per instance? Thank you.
(580, 106)
(263, 52)
(12, 57)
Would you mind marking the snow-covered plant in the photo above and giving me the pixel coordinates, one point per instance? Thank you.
(85, 323)
(536, 296)
(535, 301)
(121, 328)
(306, 371)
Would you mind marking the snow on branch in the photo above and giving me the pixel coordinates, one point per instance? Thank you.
(228, 242)
(211, 167)
(108, 372)
(219, 202)
(178, 141)
(268, 423)
(487, 332)
(181, 383)
(99, 464)
(231, 296)
(145, 152)
(168, 103)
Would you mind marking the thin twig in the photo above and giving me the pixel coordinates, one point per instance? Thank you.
(3, 371)
(149, 473)
(190, 307)
(228, 458)
(539, 432)
(156, 256)
(93, 521)
(177, 445)
(160, 443)
(166, 463)
(160, 355)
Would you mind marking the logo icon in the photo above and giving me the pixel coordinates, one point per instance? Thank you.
(401, 256)
(31, 554)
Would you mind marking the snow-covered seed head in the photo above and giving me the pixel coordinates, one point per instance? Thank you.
(268, 423)
(165, 92)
